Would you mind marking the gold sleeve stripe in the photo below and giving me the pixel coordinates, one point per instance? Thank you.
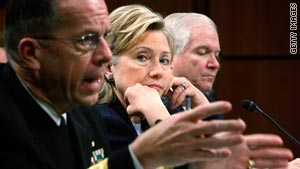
(103, 165)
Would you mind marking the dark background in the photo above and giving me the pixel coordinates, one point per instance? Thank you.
(256, 63)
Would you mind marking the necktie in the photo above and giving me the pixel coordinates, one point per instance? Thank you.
(71, 158)
(63, 126)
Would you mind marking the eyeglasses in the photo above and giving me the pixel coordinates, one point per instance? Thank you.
(86, 42)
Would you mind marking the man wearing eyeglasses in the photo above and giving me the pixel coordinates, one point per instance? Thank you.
(58, 51)
(57, 56)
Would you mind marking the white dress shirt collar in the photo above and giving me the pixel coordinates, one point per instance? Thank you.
(48, 109)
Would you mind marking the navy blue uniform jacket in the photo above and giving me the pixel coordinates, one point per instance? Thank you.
(31, 140)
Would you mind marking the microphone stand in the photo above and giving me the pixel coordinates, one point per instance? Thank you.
(251, 106)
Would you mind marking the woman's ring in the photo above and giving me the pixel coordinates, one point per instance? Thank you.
(183, 86)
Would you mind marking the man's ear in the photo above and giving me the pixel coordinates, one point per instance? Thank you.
(29, 50)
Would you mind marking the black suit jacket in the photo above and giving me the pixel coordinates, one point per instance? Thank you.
(120, 130)
(31, 140)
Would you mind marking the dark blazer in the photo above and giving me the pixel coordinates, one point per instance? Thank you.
(120, 130)
(119, 127)
(31, 140)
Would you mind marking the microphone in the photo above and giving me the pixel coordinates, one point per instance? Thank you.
(251, 106)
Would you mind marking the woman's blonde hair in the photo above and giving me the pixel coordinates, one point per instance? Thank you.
(128, 24)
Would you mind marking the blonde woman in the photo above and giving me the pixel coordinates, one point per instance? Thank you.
(139, 73)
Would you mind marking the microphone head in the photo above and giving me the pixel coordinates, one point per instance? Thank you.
(249, 105)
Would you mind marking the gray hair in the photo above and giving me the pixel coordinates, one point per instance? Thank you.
(25, 18)
(180, 25)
